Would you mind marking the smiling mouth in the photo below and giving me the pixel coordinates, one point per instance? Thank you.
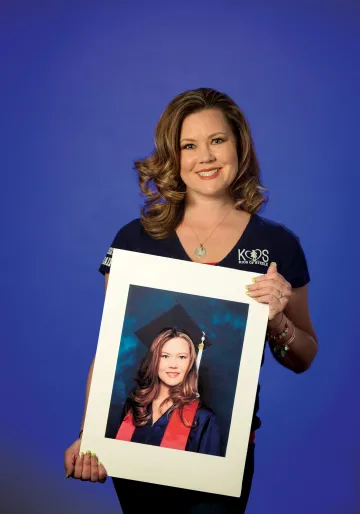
(209, 173)
(172, 374)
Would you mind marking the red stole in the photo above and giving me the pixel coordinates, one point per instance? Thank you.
(176, 433)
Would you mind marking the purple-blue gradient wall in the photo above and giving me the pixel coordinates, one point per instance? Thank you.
(82, 85)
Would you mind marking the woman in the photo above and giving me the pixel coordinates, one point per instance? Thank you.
(202, 193)
(164, 410)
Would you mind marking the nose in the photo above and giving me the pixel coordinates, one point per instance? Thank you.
(173, 364)
(206, 154)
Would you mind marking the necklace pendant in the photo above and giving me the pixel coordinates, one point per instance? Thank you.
(200, 252)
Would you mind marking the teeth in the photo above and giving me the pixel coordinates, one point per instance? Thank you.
(208, 173)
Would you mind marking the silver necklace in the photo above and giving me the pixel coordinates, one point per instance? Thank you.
(200, 251)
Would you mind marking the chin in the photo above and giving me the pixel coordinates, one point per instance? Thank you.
(208, 189)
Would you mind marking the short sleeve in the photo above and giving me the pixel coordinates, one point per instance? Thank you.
(293, 263)
(122, 241)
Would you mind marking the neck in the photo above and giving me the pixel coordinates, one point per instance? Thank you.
(207, 208)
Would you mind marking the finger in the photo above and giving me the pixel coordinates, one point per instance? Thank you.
(94, 476)
(69, 463)
(78, 466)
(271, 272)
(271, 300)
(268, 291)
(272, 268)
(86, 467)
(102, 473)
(281, 285)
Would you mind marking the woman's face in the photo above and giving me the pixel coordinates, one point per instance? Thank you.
(174, 361)
(208, 154)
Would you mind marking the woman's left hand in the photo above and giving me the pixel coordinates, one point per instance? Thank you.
(272, 289)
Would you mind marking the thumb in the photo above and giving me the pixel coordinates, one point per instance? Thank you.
(69, 464)
(272, 268)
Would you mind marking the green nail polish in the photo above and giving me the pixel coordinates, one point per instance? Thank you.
(93, 455)
(253, 279)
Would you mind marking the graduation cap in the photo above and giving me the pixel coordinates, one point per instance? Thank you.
(178, 318)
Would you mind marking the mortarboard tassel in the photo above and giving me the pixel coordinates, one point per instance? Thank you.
(198, 358)
(199, 355)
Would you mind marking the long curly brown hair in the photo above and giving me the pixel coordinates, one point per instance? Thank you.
(159, 174)
(149, 383)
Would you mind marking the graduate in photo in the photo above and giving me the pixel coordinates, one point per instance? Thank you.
(165, 409)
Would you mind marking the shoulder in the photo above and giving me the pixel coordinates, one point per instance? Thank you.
(274, 229)
(133, 237)
(127, 234)
(128, 237)
(285, 248)
(204, 414)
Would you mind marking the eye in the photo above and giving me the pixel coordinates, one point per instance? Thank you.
(188, 146)
(164, 356)
(218, 140)
(183, 356)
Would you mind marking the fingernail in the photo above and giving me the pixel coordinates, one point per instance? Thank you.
(253, 279)
(81, 454)
(246, 288)
(88, 452)
(100, 463)
(272, 262)
(93, 455)
(67, 475)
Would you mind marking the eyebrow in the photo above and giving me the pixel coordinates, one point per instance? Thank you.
(211, 135)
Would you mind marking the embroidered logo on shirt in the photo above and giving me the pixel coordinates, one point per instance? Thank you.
(257, 256)
(107, 260)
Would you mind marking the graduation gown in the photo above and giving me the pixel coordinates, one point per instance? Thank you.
(202, 437)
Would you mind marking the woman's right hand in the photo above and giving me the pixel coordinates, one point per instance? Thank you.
(83, 466)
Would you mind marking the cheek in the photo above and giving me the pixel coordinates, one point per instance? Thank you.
(184, 366)
(234, 158)
(187, 163)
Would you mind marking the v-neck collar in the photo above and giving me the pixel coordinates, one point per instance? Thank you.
(186, 257)
(160, 421)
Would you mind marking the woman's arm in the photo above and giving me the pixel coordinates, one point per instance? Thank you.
(291, 335)
(89, 378)
(303, 347)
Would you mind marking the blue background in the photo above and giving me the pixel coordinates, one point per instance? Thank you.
(82, 86)
(224, 324)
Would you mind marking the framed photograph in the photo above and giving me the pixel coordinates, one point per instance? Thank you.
(175, 373)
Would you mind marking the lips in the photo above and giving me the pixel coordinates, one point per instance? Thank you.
(172, 374)
(209, 174)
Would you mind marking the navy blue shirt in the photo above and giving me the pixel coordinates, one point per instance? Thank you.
(262, 242)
